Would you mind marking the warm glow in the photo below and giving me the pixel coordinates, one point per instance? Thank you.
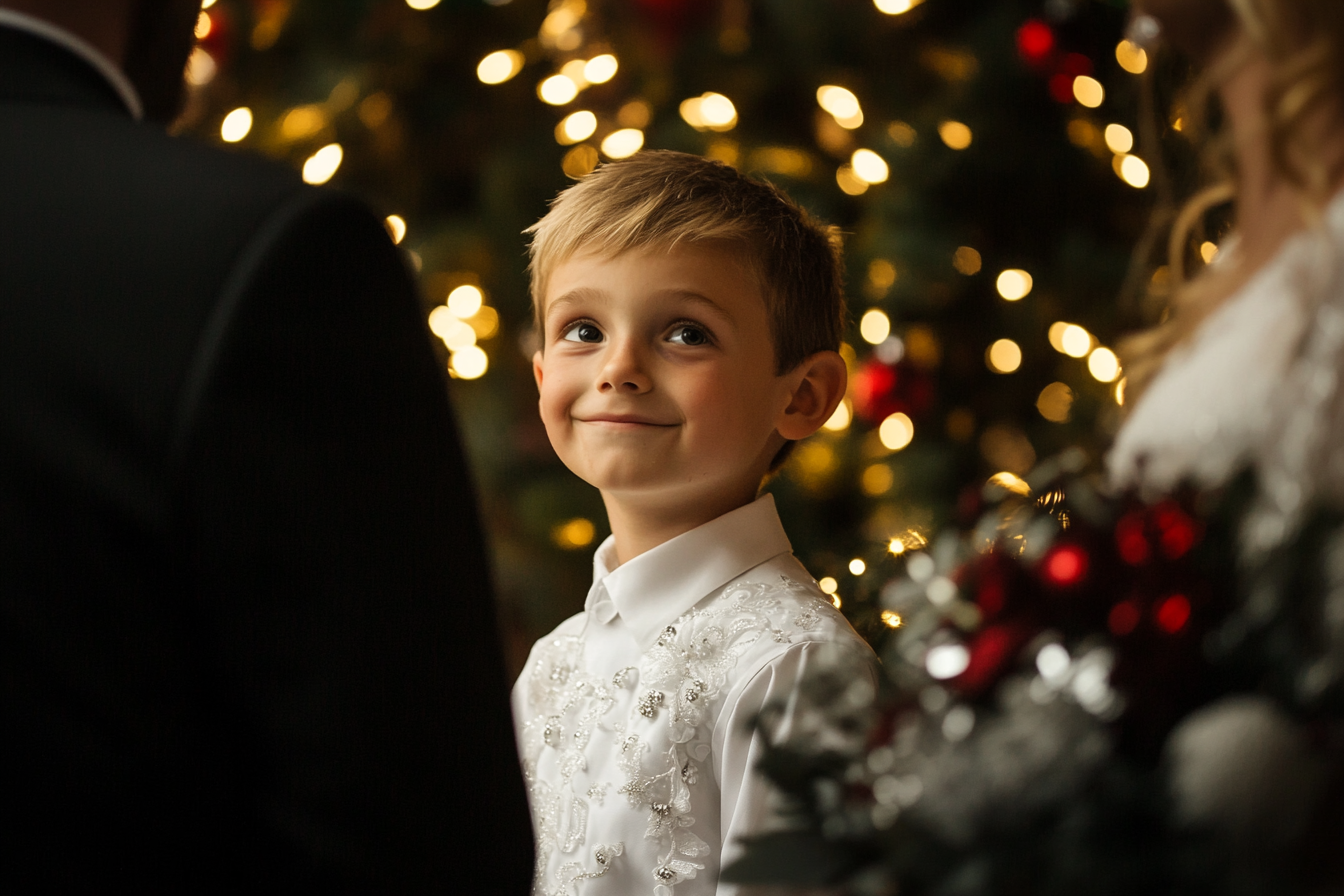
(850, 183)
(470, 363)
(203, 26)
(1119, 139)
(465, 300)
(576, 127)
(857, 567)
(1014, 284)
(206, 4)
(499, 66)
(896, 431)
(955, 134)
(966, 261)
(1131, 57)
(839, 419)
(1133, 171)
(577, 533)
(302, 121)
(838, 101)
(1011, 482)
(557, 90)
(1004, 356)
(896, 7)
(485, 322)
(573, 70)
(897, 546)
(396, 228)
(579, 161)
(828, 585)
(1088, 91)
(1055, 402)
(1208, 251)
(869, 166)
(1074, 341)
(600, 69)
(201, 68)
(877, 479)
(622, 143)
(1103, 365)
(1120, 391)
(717, 112)
(892, 619)
(422, 4)
(874, 326)
(321, 165)
(456, 334)
(236, 125)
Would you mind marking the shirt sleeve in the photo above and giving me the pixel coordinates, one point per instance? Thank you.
(749, 804)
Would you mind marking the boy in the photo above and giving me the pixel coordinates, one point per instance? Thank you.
(690, 318)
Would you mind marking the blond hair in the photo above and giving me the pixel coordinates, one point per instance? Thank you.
(663, 199)
(1303, 41)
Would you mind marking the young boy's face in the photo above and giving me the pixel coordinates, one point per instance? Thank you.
(657, 375)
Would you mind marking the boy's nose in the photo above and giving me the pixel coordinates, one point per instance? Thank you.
(624, 372)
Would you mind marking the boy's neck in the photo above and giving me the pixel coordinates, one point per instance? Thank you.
(640, 525)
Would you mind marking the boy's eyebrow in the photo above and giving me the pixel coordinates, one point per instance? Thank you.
(588, 293)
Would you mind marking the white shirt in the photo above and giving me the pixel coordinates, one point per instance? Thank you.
(118, 81)
(634, 716)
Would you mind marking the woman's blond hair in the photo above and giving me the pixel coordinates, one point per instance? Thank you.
(1303, 41)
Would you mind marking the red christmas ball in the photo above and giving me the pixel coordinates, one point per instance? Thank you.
(1035, 42)
(1065, 565)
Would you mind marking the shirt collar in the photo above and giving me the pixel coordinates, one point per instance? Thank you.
(652, 590)
(86, 51)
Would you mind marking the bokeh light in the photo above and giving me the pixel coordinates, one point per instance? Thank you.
(1131, 57)
(869, 166)
(955, 134)
(557, 90)
(1014, 284)
(499, 66)
(470, 363)
(1103, 365)
(874, 326)
(896, 431)
(622, 143)
(396, 228)
(1119, 139)
(1088, 91)
(323, 164)
(1004, 356)
(236, 125)
(600, 69)
(465, 300)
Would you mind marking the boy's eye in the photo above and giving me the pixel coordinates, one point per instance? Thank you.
(583, 332)
(687, 334)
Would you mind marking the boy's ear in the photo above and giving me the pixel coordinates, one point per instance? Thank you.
(819, 385)
(536, 368)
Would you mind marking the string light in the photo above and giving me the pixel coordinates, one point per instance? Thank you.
(396, 228)
(874, 326)
(1088, 91)
(1004, 356)
(955, 134)
(574, 534)
(206, 4)
(302, 121)
(840, 418)
(422, 4)
(1013, 284)
(1120, 391)
(600, 69)
(1070, 339)
(575, 127)
(469, 363)
(203, 25)
(1119, 139)
(1131, 57)
(850, 183)
(857, 567)
(1132, 170)
(622, 143)
(1103, 365)
(896, 431)
(896, 7)
(579, 161)
(966, 261)
(322, 165)
(947, 661)
(892, 619)
(869, 166)
(1011, 482)
(201, 68)
(1055, 403)
(499, 66)
(842, 105)
(827, 585)
(236, 125)
(557, 90)
(877, 479)
(465, 300)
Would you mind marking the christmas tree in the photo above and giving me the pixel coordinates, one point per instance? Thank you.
(981, 158)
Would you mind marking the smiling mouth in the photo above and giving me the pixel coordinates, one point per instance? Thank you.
(623, 421)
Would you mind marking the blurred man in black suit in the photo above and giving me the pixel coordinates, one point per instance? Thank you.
(246, 632)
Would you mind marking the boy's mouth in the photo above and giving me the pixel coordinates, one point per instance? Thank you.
(622, 420)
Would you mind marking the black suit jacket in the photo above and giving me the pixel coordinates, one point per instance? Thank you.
(246, 631)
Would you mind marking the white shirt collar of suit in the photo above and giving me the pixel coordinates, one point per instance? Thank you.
(72, 42)
(652, 590)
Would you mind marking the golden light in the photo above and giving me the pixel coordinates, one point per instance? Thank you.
(622, 143)
(574, 534)
(717, 112)
(897, 546)
(1004, 356)
(206, 4)
(456, 334)
(869, 166)
(955, 134)
(881, 273)
(1011, 482)
(966, 261)
(896, 431)
(470, 363)
(901, 134)
(1074, 341)
(877, 479)
(1120, 391)
(465, 300)
(857, 567)
(1057, 335)
(396, 228)
(575, 127)
(1133, 171)
(557, 90)
(690, 113)
(874, 326)
(1014, 284)
(422, 4)
(1055, 402)
(573, 70)
(892, 619)
(563, 19)
(835, 601)
(839, 419)
(302, 121)
(1103, 365)
(840, 102)
(203, 26)
(896, 7)
(579, 161)
(850, 183)
(600, 69)
(828, 585)
(499, 66)
(1131, 57)
(442, 321)
(201, 68)
(485, 322)
(1088, 91)
(236, 125)
(322, 165)
(1119, 139)
(1208, 251)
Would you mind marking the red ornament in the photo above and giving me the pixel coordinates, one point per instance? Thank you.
(992, 649)
(1123, 618)
(1035, 42)
(880, 390)
(1130, 540)
(1179, 532)
(1065, 565)
(1173, 613)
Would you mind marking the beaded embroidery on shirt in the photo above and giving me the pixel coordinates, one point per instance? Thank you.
(679, 681)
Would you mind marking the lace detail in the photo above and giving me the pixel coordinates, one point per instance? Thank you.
(660, 740)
